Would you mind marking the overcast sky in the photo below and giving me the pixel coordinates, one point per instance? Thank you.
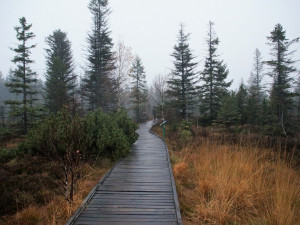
(150, 28)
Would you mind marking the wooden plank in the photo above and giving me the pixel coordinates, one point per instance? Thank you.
(118, 207)
(132, 193)
(124, 222)
(130, 211)
(129, 217)
(133, 198)
(122, 219)
(132, 203)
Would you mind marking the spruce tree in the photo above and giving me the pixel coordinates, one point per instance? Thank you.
(2, 109)
(2, 115)
(99, 83)
(138, 88)
(297, 103)
(23, 78)
(213, 86)
(281, 68)
(60, 77)
(2, 84)
(182, 86)
(256, 89)
(267, 117)
(228, 114)
(256, 77)
(242, 103)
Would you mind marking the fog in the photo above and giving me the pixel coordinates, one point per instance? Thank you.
(150, 28)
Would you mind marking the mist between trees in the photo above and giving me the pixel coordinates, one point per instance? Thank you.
(115, 78)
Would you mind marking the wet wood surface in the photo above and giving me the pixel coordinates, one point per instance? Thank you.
(140, 189)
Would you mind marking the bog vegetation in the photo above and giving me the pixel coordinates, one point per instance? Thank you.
(233, 179)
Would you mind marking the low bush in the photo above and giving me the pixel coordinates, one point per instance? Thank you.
(68, 141)
(56, 135)
(109, 135)
(96, 134)
(126, 125)
(7, 154)
(56, 156)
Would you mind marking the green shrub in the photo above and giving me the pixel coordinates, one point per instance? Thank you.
(56, 136)
(185, 125)
(185, 137)
(67, 141)
(57, 150)
(127, 125)
(8, 154)
(96, 134)
(4, 131)
(185, 133)
(174, 126)
(109, 135)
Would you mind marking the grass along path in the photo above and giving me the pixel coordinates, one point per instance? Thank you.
(233, 184)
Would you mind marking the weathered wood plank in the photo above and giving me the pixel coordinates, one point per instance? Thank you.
(124, 222)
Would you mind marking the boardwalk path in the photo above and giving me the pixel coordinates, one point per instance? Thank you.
(139, 190)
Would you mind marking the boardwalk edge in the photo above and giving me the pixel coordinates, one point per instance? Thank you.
(177, 207)
(87, 200)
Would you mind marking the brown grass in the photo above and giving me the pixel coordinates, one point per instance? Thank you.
(13, 143)
(231, 184)
(58, 210)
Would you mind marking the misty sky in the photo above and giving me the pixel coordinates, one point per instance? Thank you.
(150, 28)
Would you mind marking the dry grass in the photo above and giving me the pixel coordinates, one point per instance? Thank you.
(231, 184)
(58, 210)
(12, 143)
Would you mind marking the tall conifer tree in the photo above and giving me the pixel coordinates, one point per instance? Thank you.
(297, 102)
(256, 77)
(99, 83)
(214, 86)
(228, 114)
(139, 88)
(281, 67)
(2, 109)
(256, 90)
(242, 103)
(182, 87)
(23, 79)
(60, 77)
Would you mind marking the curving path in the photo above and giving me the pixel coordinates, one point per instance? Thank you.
(140, 189)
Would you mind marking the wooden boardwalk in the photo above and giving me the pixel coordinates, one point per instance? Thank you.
(140, 189)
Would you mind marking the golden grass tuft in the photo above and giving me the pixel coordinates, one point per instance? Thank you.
(30, 216)
(180, 170)
(231, 184)
(13, 143)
